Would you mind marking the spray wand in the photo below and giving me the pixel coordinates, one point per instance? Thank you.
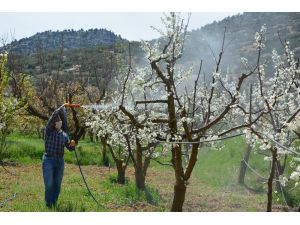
(69, 105)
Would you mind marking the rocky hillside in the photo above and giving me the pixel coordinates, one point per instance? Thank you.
(69, 39)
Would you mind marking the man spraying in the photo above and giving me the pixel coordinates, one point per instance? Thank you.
(56, 139)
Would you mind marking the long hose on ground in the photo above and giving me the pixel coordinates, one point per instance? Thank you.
(78, 163)
(8, 199)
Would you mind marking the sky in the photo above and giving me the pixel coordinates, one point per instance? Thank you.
(129, 18)
(130, 25)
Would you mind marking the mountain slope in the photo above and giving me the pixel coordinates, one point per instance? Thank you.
(69, 39)
(206, 42)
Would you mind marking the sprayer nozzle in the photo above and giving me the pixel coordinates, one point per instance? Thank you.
(72, 105)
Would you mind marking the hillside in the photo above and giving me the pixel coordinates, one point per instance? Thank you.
(202, 44)
(241, 29)
(69, 39)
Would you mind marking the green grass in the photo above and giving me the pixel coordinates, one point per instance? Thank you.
(29, 150)
(220, 168)
(129, 194)
(74, 197)
(217, 171)
(22, 149)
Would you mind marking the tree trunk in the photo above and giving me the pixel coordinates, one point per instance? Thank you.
(140, 180)
(181, 177)
(270, 180)
(105, 159)
(243, 166)
(91, 134)
(139, 172)
(179, 196)
(121, 172)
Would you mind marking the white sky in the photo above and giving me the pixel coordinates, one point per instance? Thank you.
(130, 25)
(129, 18)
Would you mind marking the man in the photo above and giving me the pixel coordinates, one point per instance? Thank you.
(53, 162)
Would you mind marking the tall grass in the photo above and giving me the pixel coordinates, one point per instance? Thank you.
(27, 150)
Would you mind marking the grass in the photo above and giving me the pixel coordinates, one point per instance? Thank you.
(28, 150)
(74, 197)
(212, 187)
(220, 168)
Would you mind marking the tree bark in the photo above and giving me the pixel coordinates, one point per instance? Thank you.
(140, 180)
(105, 159)
(270, 180)
(243, 166)
(139, 172)
(121, 172)
(179, 196)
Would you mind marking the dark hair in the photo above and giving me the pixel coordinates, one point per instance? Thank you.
(56, 119)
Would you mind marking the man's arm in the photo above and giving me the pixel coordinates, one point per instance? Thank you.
(50, 121)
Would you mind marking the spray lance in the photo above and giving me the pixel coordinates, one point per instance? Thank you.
(73, 144)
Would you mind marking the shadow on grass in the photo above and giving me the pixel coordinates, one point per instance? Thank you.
(129, 193)
(152, 196)
(68, 207)
(258, 190)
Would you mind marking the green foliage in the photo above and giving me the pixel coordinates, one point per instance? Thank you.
(6, 107)
(9, 104)
(3, 75)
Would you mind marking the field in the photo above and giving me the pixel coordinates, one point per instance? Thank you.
(213, 186)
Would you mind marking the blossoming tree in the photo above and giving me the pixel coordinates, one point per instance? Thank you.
(202, 112)
(277, 97)
(8, 103)
(160, 108)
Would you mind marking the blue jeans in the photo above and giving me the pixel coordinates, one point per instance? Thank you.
(53, 171)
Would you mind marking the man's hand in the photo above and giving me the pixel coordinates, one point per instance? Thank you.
(72, 145)
(71, 148)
